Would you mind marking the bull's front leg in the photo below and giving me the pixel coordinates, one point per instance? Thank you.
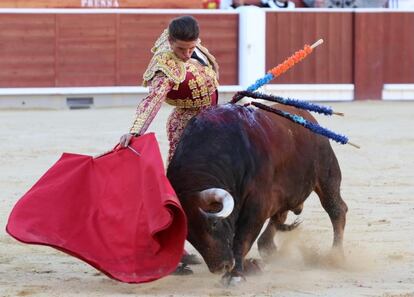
(243, 241)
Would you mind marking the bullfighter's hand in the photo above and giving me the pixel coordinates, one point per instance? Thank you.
(125, 139)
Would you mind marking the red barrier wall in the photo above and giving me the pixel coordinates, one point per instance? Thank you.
(384, 51)
(367, 49)
(101, 4)
(288, 32)
(61, 50)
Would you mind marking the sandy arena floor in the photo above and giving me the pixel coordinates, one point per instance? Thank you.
(378, 186)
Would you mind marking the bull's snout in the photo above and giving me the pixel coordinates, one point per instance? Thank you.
(228, 266)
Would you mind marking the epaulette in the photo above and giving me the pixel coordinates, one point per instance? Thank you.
(167, 63)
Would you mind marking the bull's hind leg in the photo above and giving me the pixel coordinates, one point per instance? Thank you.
(266, 244)
(328, 190)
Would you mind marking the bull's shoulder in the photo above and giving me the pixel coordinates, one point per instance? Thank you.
(227, 114)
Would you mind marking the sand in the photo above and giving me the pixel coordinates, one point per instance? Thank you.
(378, 186)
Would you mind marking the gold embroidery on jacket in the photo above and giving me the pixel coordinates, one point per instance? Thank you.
(170, 65)
(202, 86)
(167, 63)
(149, 106)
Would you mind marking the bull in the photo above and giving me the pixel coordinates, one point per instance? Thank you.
(235, 167)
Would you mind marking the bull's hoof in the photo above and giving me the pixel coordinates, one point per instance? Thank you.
(182, 269)
(337, 257)
(231, 279)
(190, 259)
(252, 266)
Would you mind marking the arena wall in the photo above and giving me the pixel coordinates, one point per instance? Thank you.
(367, 54)
(384, 54)
(111, 49)
(193, 4)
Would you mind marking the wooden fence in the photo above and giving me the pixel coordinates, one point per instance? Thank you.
(61, 50)
(364, 48)
(194, 4)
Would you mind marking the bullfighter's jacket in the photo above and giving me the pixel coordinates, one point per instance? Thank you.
(186, 85)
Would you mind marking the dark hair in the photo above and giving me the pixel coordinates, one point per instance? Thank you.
(184, 28)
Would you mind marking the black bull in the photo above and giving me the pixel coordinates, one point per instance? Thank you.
(262, 164)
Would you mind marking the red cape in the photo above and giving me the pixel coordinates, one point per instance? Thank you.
(117, 212)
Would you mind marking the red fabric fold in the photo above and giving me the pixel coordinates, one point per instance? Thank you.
(117, 212)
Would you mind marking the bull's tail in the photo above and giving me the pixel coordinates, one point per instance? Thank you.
(289, 227)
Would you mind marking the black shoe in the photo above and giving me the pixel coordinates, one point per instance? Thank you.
(182, 269)
(190, 259)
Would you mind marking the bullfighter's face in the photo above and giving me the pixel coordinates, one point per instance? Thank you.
(183, 49)
(212, 236)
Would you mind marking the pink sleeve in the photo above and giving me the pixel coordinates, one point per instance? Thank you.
(147, 109)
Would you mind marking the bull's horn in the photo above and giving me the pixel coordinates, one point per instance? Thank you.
(220, 196)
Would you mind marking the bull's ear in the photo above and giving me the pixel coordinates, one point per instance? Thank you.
(216, 202)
